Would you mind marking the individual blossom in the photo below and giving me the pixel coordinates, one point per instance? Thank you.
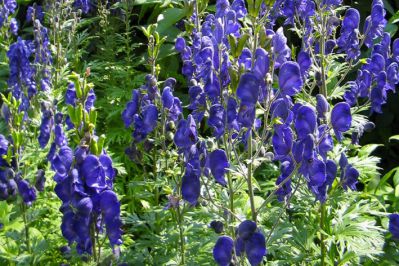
(341, 119)
(218, 164)
(290, 80)
(223, 250)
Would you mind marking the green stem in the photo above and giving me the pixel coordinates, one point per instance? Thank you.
(322, 220)
(249, 177)
(323, 89)
(181, 235)
(27, 238)
(93, 240)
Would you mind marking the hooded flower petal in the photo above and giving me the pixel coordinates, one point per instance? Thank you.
(341, 118)
(218, 163)
(246, 229)
(223, 250)
(255, 248)
(290, 80)
(93, 172)
(248, 89)
(305, 122)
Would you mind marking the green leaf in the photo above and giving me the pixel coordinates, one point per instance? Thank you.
(168, 18)
(396, 137)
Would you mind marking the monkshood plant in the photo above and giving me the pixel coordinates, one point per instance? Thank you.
(18, 111)
(255, 101)
(84, 174)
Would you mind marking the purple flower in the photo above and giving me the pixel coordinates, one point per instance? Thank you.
(305, 62)
(255, 248)
(305, 121)
(282, 140)
(250, 241)
(14, 26)
(167, 98)
(40, 180)
(322, 106)
(375, 23)
(146, 123)
(290, 80)
(218, 164)
(70, 95)
(394, 225)
(246, 229)
(280, 49)
(45, 128)
(186, 133)
(93, 172)
(191, 186)
(239, 7)
(27, 192)
(217, 119)
(90, 98)
(223, 250)
(110, 209)
(3, 145)
(341, 119)
(131, 109)
(348, 40)
(248, 89)
(261, 64)
(378, 95)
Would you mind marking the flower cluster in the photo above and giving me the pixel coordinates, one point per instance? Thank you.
(7, 7)
(8, 186)
(377, 77)
(264, 91)
(84, 176)
(250, 241)
(21, 79)
(144, 109)
(84, 5)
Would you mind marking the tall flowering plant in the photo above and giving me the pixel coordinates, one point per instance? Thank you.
(262, 101)
(84, 174)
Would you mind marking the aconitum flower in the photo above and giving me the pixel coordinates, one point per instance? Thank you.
(110, 209)
(186, 133)
(218, 164)
(280, 49)
(375, 23)
(348, 40)
(217, 119)
(290, 80)
(84, 5)
(27, 192)
(223, 250)
(394, 225)
(14, 26)
(341, 119)
(250, 242)
(40, 180)
(191, 185)
(45, 128)
(305, 121)
(21, 75)
(131, 109)
(146, 123)
(282, 140)
(349, 175)
(3, 145)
